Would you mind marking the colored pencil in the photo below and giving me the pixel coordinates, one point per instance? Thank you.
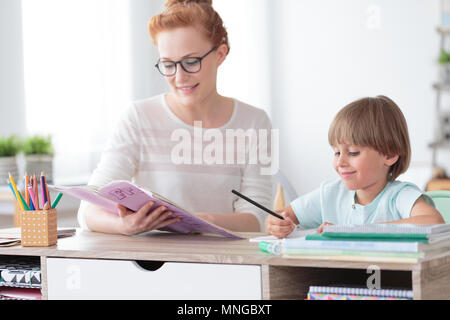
(31, 203)
(46, 190)
(26, 207)
(43, 192)
(36, 192)
(13, 184)
(12, 189)
(55, 203)
(32, 196)
(27, 198)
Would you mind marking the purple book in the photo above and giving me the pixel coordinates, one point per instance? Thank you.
(134, 197)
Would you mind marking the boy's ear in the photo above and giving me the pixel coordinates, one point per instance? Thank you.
(391, 160)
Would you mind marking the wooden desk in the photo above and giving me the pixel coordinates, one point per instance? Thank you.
(280, 278)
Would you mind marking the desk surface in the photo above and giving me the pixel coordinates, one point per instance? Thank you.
(161, 246)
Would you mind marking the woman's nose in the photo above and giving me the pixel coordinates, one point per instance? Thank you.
(181, 74)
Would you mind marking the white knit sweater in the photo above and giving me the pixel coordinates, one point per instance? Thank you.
(146, 149)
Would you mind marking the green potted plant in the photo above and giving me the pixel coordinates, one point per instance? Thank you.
(9, 148)
(444, 61)
(38, 151)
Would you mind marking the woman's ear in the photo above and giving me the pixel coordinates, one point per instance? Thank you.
(222, 51)
(391, 160)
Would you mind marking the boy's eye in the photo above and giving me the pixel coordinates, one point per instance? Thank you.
(337, 154)
(354, 154)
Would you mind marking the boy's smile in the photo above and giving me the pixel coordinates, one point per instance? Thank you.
(362, 169)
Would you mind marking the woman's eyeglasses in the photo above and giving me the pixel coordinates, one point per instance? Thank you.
(190, 65)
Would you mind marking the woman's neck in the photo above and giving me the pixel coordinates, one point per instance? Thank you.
(213, 111)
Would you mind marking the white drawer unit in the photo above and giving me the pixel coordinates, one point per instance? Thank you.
(117, 279)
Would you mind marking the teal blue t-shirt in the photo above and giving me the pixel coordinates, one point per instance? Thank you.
(334, 203)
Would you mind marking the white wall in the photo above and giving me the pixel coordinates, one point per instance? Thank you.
(146, 80)
(327, 53)
(12, 106)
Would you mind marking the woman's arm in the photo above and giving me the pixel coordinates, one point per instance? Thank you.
(240, 222)
(422, 213)
(128, 222)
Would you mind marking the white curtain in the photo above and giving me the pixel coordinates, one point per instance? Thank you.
(77, 79)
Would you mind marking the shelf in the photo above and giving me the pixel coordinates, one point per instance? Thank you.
(441, 86)
(443, 31)
(442, 145)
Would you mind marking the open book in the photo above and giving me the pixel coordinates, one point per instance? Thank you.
(133, 197)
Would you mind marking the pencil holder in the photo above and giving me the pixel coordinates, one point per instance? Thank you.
(39, 228)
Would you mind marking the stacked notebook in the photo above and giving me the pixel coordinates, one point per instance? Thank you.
(20, 278)
(396, 243)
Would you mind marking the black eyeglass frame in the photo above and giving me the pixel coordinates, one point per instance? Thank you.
(200, 59)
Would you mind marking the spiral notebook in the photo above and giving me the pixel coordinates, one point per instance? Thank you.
(339, 293)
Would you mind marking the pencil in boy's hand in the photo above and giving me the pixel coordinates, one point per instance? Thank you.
(257, 205)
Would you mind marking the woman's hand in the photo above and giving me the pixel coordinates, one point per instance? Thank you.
(281, 228)
(133, 223)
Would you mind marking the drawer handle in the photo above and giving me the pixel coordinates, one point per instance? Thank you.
(149, 265)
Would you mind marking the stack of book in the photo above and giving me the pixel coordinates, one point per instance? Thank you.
(344, 293)
(393, 243)
(20, 278)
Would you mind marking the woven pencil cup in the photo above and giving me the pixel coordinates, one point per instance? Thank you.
(39, 228)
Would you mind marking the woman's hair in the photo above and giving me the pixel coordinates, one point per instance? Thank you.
(184, 13)
(377, 123)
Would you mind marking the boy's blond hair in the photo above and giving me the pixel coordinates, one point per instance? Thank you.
(377, 123)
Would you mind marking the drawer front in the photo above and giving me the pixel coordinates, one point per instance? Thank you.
(116, 279)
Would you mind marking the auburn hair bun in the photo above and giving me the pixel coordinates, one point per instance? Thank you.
(170, 3)
(184, 13)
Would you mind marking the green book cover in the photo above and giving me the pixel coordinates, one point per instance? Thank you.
(422, 238)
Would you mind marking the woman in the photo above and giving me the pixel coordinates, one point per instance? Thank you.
(166, 143)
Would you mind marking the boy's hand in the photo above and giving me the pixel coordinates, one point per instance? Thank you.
(281, 228)
(320, 229)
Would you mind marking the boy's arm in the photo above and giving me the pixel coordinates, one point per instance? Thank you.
(422, 213)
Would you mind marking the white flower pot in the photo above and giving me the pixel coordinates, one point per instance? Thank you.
(8, 165)
(35, 164)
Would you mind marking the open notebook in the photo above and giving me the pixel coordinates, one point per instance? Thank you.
(133, 197)
(296, 234)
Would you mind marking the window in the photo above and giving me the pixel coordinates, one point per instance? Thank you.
(77, 76)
